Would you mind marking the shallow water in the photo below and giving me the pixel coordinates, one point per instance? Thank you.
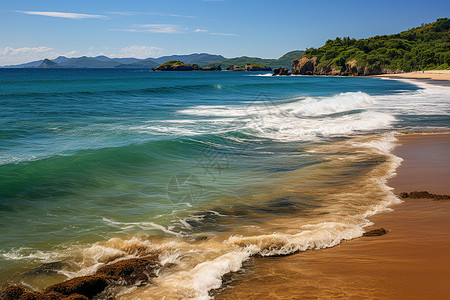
(204, 168)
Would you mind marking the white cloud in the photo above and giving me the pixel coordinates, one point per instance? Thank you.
(162, 28)
(62, 14)
(122, 13)
(20, 51)
(155, 28)
(11, 56)
(170, 15)
(169, 28)
(214, 33)
(138, 52)
(133, 13)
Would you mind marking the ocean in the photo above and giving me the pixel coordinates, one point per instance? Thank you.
(202, 169)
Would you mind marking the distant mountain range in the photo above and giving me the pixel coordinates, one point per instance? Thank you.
(201, 59)
(104, 62)
(285, 61)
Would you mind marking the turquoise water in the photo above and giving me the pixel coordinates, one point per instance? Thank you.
(89, 155)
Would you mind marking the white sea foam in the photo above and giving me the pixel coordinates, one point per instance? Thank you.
(142, 225)
(292, 128)
(293, 117)
(322, 106)
(299, 107)
(315, 118)
(304, 118)
(260, 75)
(24, 253)
(204, 264)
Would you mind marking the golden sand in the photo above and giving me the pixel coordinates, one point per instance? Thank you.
(434, 74)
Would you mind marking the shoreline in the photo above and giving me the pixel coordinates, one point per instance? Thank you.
(297, 262)
(436, 77)
(410, 262)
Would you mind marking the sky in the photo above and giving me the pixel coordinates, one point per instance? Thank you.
(32, 30)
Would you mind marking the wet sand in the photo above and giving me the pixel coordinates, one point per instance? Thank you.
(412, 261)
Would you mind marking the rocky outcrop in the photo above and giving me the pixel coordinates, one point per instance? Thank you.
(175, 68)
(131, 270)
(235, 68)
(304, 66)
(424, 195)
(176, 65)
(312, 66)
(125, 272)
(249, 67)
(376, 232)
(76, 297)
(15, 292)
(12, 292)
(87, 286)
(254, 67)
(281, 72)
(218, 68)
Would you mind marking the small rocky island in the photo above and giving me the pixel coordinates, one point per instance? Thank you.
(249, 67)
(176, 65)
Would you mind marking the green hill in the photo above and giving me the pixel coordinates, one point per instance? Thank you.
(284, 61)
(422, 48)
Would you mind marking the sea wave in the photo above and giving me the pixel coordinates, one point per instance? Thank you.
(200, 264)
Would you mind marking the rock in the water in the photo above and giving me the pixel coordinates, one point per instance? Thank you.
(34, 296)
(281, 72)
(256, 67)
(217, 68)
(88, 286)
(12, 292)
(424, 195)
(376, 232)
(15, 292)
(76, 297)
(55, 296)
(132, 271)
(403, 195)
(175, 65)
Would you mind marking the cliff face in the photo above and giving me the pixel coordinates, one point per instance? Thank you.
(311, 66)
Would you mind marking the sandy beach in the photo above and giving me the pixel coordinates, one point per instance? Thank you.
(440, 77)
(410, 262)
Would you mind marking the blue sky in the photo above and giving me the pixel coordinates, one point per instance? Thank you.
(32, 30)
